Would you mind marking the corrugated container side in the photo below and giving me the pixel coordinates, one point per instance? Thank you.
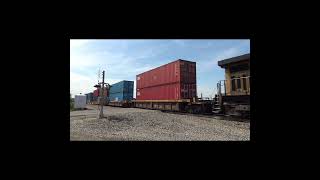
(174, 91)
(165, 74)
(123, 86)
(163, 92)
(188, 72)
(188, 90)
(121, 91)
(120, 96)
(128, 87)
(116, 88)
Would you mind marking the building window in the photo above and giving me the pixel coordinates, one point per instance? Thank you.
(233, 83)
(239, 83)
(244, 81)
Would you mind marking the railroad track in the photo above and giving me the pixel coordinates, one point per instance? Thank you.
(213, 116)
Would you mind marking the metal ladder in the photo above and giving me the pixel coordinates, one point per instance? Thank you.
(218, 99)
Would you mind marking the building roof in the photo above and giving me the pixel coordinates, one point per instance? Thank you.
(224, 62)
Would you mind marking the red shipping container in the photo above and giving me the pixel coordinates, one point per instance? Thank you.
(174, 91)
(173, 81)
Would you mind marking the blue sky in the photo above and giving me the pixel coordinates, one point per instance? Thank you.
(124, 59)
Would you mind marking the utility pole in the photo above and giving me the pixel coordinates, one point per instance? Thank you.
(102, 97)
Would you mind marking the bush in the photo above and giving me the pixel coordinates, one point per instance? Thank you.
(71, 106)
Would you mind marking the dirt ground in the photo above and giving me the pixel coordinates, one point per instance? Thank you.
(133, 124)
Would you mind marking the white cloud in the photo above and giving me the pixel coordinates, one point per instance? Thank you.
(209, 65)
(229, 53)
(118, 66)
(82, 61)
(81, 84)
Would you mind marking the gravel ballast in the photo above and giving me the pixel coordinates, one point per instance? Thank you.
(133, 124)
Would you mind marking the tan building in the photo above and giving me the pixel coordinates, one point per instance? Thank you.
(237, 75)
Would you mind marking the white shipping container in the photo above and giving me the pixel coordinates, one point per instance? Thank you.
(80, 101)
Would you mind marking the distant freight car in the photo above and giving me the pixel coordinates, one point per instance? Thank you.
(173, 81)
(121, 94)
(96, 92)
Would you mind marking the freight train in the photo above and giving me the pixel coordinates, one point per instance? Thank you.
(173, 87)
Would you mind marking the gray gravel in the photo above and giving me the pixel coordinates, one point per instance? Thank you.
(132, 124)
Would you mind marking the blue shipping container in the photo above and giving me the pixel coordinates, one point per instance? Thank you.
(121, 91)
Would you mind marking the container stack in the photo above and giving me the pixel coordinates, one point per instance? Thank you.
(121, 91)
(173, 81)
